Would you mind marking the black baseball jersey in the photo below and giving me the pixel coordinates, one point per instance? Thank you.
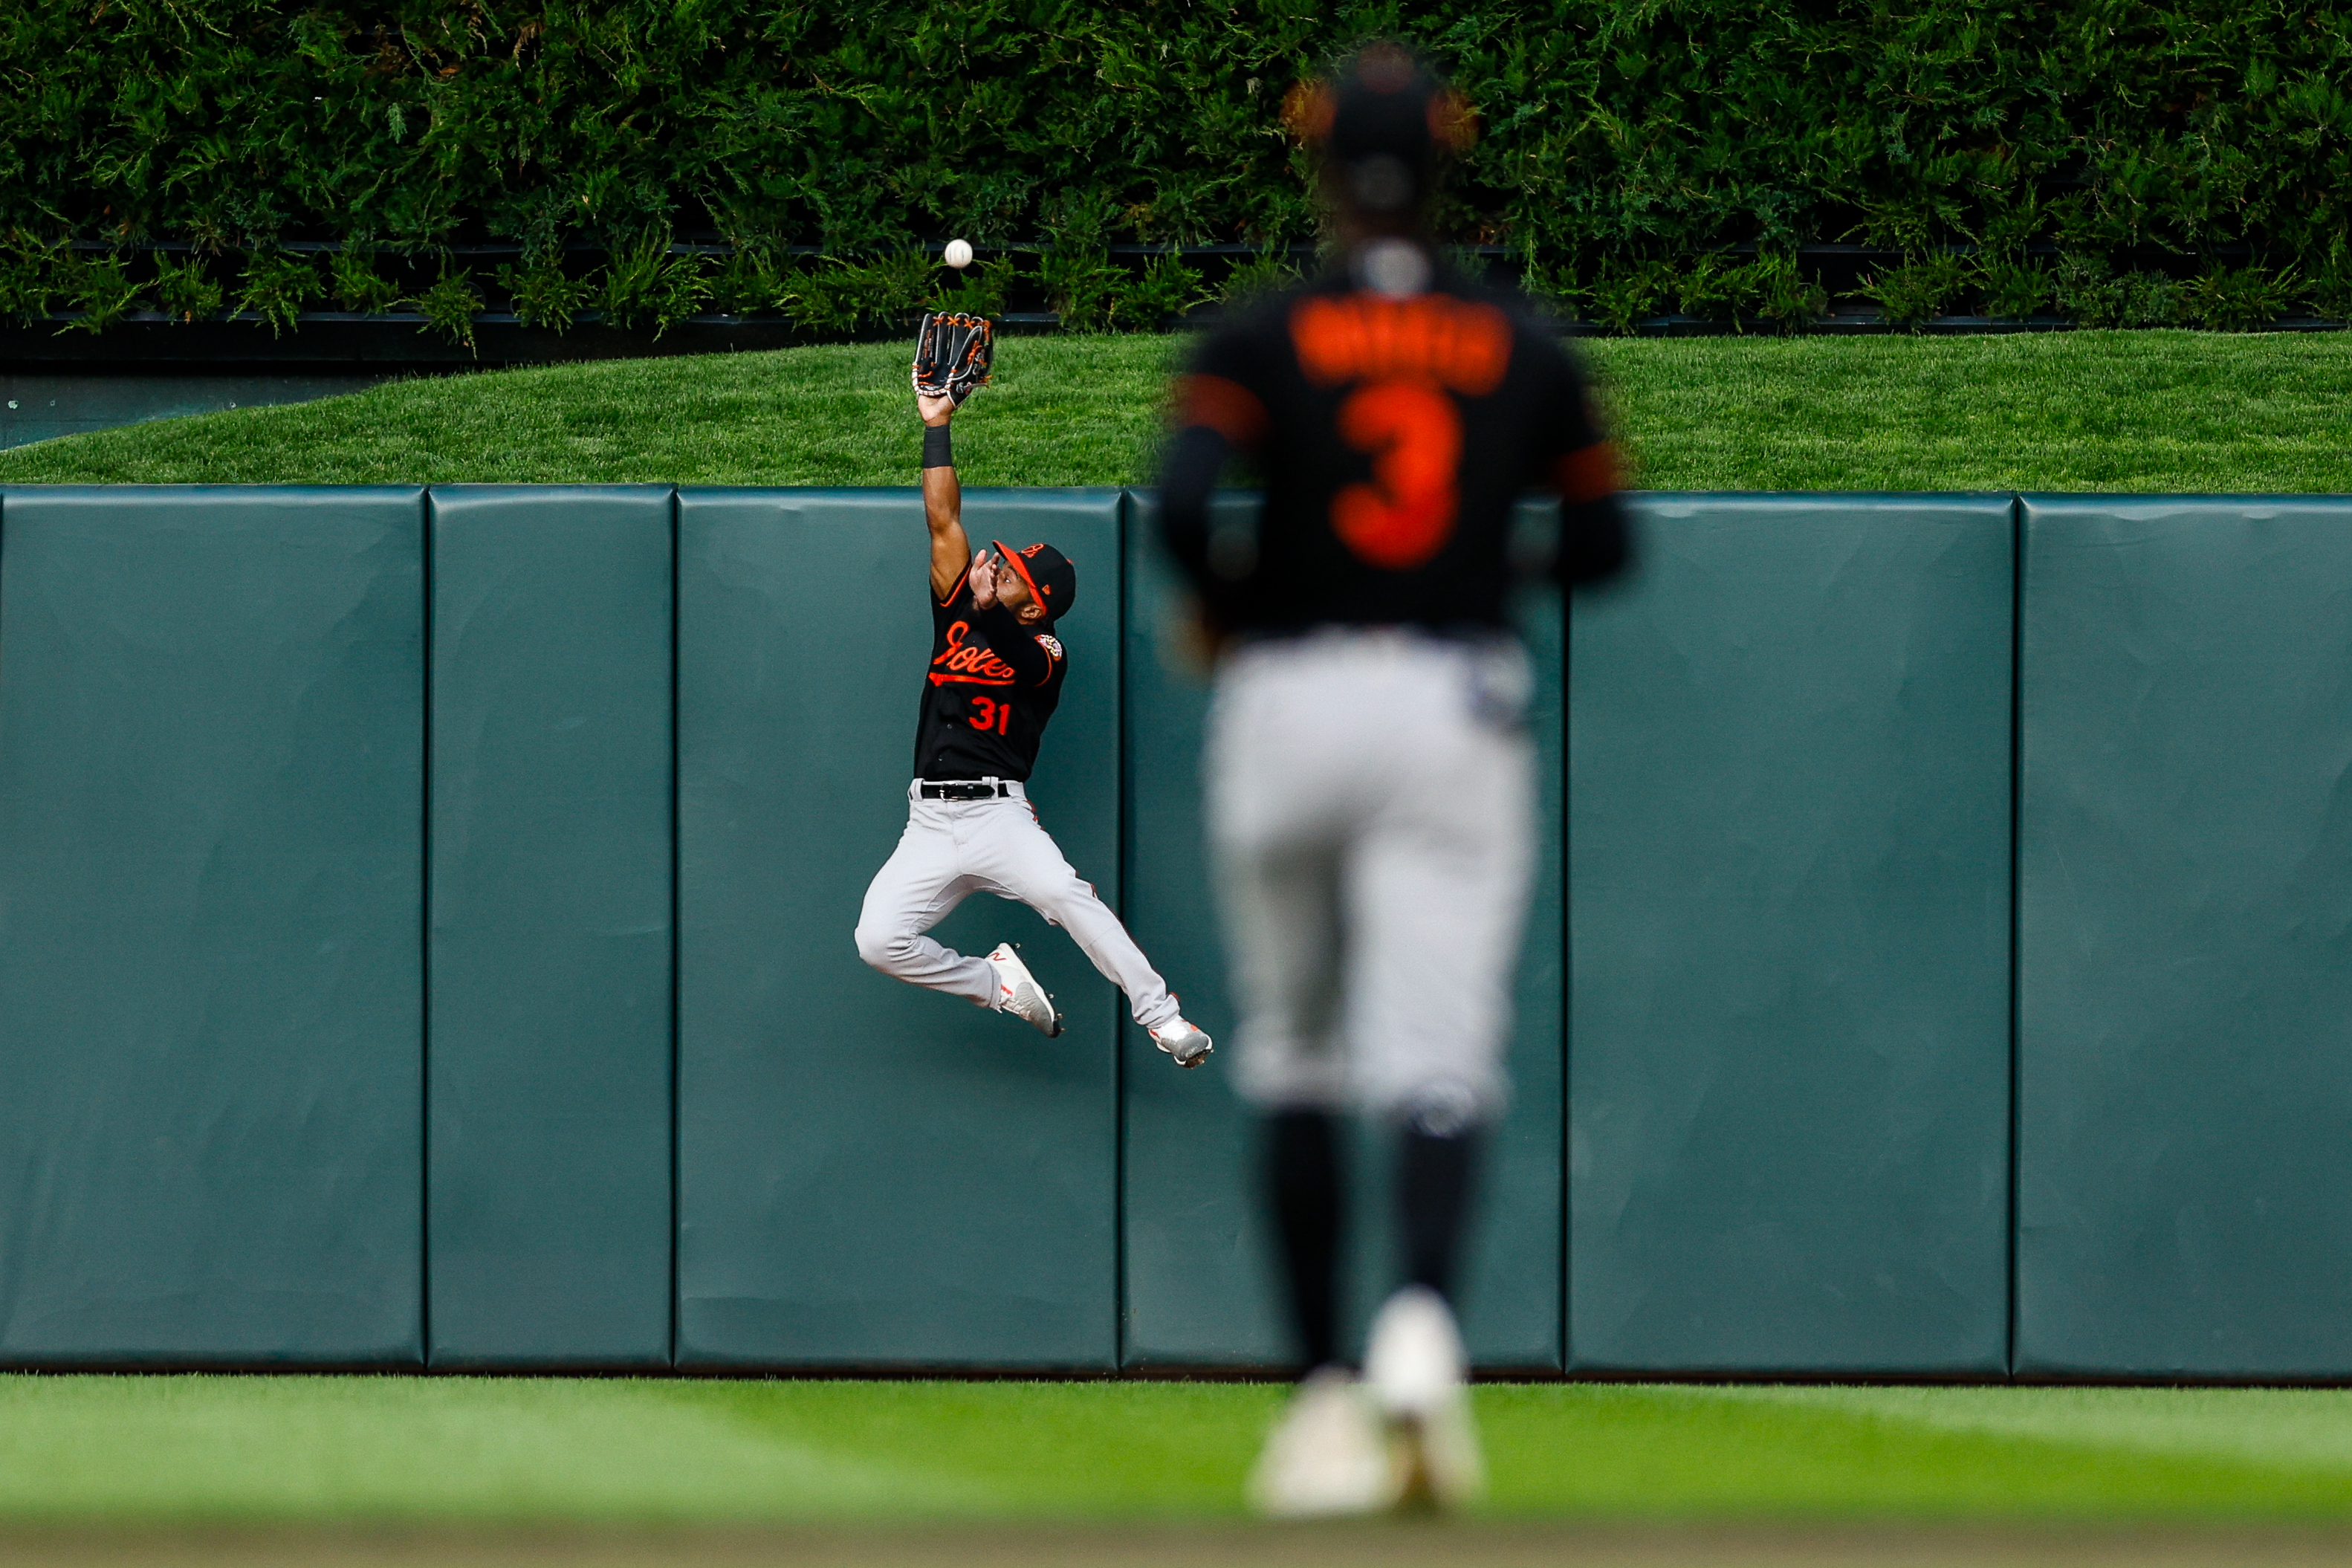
(1393, 435)
(992, 685)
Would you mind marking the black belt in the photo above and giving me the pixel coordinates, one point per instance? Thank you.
(961, 790)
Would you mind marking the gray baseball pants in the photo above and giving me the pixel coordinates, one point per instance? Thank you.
(954, 848)
(1370, 814)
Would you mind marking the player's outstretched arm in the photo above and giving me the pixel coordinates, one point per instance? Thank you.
(952, 353)
(942, 498)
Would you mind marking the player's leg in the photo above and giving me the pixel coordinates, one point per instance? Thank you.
(1018, 857)
(1282, 929)
(916, 888)
(1328, 1456)
(1280, 769)
(1436, 901)
(1278, 860)
(1306, 1182)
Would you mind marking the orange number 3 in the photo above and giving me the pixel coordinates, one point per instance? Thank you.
(1414, 435)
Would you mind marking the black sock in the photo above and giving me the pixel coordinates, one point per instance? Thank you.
(1433, 1177)
(1302, 1171)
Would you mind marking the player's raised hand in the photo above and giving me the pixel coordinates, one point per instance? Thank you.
(952, 355)
(984, 579)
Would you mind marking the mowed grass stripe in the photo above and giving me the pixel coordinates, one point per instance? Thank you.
(2146, 411)
(275, 1449)
(1036, 1450)
(535, 1451)
(1601, 1451)
(2296, 1427)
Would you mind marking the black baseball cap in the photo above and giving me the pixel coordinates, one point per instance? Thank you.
(1053, 581)
(1383, 123)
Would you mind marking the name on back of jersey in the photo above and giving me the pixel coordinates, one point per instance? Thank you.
(1463, 344)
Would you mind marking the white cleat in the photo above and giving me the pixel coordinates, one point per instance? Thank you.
(1188, 1043)
(1418, 1378)
(1325, 1459)
(1018, 993)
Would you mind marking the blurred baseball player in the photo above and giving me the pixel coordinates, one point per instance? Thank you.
(1369, 775)
(995, 676)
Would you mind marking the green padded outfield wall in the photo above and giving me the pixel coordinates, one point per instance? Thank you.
(210, 854)
(871, 1172)
(2185, 838)
(1200, 1288)
(233, 876)
(1515, 1293)
(548, 1068)
(1789, 879)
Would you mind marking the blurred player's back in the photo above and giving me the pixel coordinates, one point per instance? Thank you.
(1370, 777)
(1452, 397)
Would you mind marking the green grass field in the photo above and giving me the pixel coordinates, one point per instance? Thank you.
(536, 1451)
(346, 1459)
(2151, 411)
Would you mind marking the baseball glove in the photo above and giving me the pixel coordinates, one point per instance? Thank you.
(952, 353)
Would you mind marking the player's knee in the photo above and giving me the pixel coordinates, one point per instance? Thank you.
(881, 948)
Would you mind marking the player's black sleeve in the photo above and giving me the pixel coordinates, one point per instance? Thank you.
(1596, 541)
(1220, 415)
(1015, 644)
(1574, 457)
(1194, 462)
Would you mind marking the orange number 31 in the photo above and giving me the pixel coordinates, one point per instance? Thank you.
(1414, 435)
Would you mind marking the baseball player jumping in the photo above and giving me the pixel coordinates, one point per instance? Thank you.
(995, 676)
(1368, 773)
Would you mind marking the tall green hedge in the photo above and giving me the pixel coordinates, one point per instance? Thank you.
(1627, 143)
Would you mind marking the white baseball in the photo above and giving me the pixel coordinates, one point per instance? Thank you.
(958, 253)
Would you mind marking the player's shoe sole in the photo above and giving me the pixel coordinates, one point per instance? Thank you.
(1018, 993)
(1188, 1043)
(1417, 1373)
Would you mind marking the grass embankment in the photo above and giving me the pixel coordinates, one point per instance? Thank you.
(2150, 410)
(462, 1451)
